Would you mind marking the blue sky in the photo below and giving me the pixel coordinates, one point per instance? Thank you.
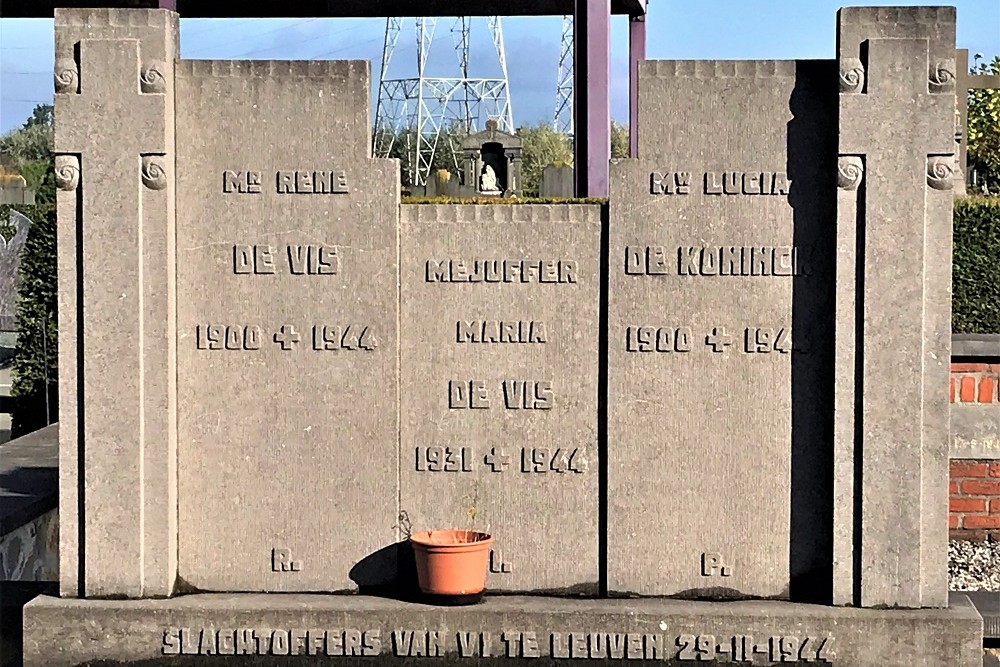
(724, 29)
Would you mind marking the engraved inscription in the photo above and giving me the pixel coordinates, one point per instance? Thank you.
(497, 563)
(658, 339)
(312, 182)
(241, 181)
(228, 337)
(670, 183)
(746, 183)
(678, 339)
(313, 260)
(712, 564)
(482, 270)
(653, 260)
(500, 331)
(444, 459)
(287, 337)
(281, 561)
(509, 643)
(460, 459)
(527, 395)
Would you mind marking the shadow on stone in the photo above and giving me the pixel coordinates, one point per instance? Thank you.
(390, 572)
(13, 596)
(811, 168)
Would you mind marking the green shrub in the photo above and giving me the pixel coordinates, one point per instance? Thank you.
(35, 359)
(976, 266)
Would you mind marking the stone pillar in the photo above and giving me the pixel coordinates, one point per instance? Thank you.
(896, 171)
(114, 143)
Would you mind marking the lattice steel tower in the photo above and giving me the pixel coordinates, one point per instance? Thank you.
(563, 119)
(414, 110)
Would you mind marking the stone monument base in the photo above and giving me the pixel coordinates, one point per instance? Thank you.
(247, 629)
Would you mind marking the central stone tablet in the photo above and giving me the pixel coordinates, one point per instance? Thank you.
(720, 333)
(498, 374)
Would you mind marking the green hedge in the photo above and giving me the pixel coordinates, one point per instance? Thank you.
(976, 266)
(36, 355)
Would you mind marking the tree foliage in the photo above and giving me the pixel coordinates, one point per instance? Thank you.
(35, 370)
(983, 149)
(542, 145)
(31, 142)
(619, 141)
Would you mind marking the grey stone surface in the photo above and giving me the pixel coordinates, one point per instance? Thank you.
(556, 181)
(896, 123)
(720, 343)
(114, 144)
(975, 431)
(498, 388)
(976, 345)
(974, 566)
(13, 234)
(287, 305)
(30, 552)
(514, 630)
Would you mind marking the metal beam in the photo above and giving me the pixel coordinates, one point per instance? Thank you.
(323, 8)
(592, 98)
(636, 54)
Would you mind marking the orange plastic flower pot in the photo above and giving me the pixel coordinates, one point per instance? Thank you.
(451, 562)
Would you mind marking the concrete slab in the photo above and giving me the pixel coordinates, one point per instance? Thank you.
(512, 629)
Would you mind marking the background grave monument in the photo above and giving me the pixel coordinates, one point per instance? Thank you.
(301, 370)
(13, 235)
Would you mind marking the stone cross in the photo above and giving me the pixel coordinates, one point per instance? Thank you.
(896, 168)
(114, 145)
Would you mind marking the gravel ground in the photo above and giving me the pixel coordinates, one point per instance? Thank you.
(973, 566)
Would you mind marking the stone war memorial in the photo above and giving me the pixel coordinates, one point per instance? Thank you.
(668, 410)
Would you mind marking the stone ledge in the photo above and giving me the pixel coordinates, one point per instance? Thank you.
(29, 478)
(964, 346)
(515, 630)
(987, 603)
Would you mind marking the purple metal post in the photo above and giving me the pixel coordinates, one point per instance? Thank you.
(636, 54)
(592, 98)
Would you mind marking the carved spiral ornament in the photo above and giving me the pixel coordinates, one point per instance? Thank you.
(67, 172)
(151, 78)
(154, 173)
(941, 171)
(942, 77)
(67, 76)
(850, 171)
(852, 75)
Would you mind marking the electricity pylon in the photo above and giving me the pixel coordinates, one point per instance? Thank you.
(416, 109)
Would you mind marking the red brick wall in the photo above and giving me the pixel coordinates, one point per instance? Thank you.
(974, 383)
(974, 493)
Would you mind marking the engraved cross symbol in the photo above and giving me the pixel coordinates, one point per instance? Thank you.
(287, 336)
(719, 339)
(497, 461)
